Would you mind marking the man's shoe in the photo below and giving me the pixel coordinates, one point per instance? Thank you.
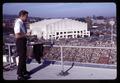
(26, 73)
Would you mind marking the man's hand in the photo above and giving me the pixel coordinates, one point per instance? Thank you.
(29, 33)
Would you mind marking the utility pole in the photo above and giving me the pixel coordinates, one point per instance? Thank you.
(112, 24)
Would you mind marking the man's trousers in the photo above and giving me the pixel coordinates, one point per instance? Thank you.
(21, 51)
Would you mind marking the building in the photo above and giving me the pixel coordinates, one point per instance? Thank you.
(98, 21)
(9, 23)
(59, 28)
(89, 22)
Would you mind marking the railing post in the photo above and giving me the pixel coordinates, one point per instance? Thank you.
(62, 73)
(62, 59)
(9, 55)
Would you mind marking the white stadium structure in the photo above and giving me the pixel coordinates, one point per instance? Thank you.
(59, 28)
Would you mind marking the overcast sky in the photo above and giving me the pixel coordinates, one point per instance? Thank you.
(61, 9)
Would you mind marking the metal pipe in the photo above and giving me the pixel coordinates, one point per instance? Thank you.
(62, 60)
(75, 46)
(9, 56)
(112, 34)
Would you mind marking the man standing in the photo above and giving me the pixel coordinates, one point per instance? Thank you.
(21, 40)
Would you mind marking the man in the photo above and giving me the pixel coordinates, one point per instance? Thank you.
(21, 40)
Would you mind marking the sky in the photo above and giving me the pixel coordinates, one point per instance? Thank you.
(61, 9)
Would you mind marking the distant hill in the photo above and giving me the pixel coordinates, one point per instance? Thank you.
(9, 16)
(31, 19)
(15, 16)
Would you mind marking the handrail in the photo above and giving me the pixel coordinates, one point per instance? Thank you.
(99, 47)
(61, 51)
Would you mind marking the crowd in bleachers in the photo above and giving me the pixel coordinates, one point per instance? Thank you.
(85, 42)
(85, 55)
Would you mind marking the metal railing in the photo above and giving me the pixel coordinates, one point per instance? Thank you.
(61, 51)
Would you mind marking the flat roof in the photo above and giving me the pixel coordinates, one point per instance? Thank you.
(48, 71)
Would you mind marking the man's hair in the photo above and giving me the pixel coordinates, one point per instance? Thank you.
(22, 13)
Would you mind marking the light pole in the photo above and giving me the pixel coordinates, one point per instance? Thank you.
(112, 23)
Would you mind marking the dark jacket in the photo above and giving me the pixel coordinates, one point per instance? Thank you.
(38, 52)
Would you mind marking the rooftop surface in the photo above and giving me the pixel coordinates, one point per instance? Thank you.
(48, 71)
